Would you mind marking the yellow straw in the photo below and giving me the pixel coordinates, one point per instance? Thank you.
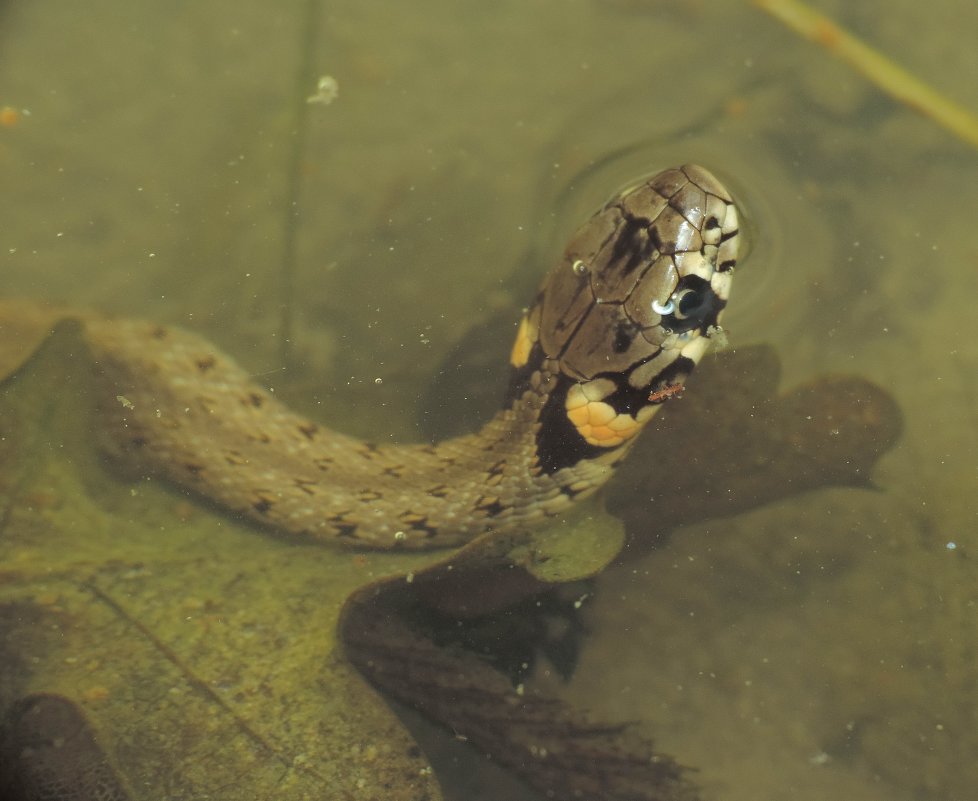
(888, 76)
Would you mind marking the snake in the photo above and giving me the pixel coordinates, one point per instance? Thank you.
(614, 331)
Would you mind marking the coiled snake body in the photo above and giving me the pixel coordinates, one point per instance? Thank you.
(616, 327)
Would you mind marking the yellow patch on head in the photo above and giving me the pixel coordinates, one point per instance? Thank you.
(525, 337)
(596, 421)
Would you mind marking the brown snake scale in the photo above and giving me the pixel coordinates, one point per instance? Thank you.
(615, 329)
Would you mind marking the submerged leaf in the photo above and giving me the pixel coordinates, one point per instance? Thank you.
(50, 750)
(556, 749)
(732, 443)
(204, 650)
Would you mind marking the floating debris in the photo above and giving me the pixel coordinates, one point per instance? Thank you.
(327, 90)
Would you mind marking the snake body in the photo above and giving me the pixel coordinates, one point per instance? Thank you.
(615, 329)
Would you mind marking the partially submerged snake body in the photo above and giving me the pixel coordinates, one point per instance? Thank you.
(616, 327)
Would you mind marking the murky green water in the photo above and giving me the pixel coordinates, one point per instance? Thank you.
(820, 648)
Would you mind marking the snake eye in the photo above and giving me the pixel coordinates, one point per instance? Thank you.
(692, 305)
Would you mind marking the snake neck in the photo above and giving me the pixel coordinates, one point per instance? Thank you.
(527, 464)
(193, 416)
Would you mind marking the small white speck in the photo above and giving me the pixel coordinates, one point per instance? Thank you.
(327, 90)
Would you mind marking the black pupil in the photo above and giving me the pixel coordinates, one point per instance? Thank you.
(689, 302)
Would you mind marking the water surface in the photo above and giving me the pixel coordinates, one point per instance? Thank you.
(820, 648)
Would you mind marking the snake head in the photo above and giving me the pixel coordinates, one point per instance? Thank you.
(627, 313)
